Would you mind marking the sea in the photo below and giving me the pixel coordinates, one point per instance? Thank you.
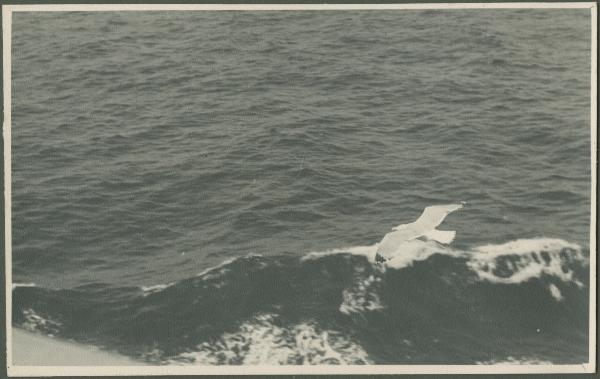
(206, 187)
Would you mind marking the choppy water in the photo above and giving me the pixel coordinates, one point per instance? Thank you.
(151, 147)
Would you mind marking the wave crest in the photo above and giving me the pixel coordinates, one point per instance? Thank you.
(521, 260)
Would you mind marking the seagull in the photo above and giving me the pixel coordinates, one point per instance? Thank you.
(425, 226)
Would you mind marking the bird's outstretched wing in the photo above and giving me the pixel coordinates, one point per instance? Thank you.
(434, 215)
(424, 226)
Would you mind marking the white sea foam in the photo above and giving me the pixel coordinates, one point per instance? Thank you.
(525, 259)
(34, 322)
(555, 292)
(263, 341)
(515, 361)
(155, 288)
(362, 296)
(368, 251)
(15, 285)
(521, 246)
(216, 269)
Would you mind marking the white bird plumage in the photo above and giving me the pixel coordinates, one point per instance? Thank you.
(424, 226)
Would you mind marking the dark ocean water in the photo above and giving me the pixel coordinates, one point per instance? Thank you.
(174, 171)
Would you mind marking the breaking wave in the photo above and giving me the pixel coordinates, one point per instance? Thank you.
(432, 304)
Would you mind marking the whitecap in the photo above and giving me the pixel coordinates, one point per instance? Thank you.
(155, 288)
(15, 285)
(368, 251)
(526, 259)
(261, 341)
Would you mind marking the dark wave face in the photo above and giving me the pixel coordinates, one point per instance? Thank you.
(527, 303)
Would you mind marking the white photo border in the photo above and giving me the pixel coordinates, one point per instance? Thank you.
(15, 370)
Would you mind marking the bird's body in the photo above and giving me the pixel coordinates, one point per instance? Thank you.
(424, 226)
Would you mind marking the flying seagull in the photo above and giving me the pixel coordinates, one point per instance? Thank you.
(425, 226)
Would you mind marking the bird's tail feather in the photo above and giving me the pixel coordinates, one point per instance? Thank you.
(441, 236)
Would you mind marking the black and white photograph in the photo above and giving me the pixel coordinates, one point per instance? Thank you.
(399, 188)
